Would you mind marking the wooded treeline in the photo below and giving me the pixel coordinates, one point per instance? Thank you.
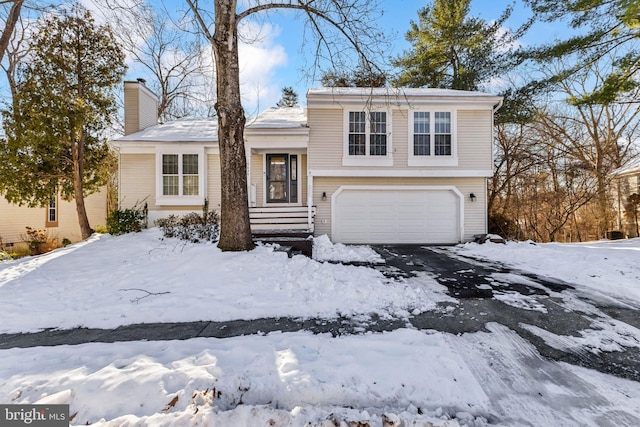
(570, 116)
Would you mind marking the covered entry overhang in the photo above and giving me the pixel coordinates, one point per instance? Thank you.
(276, 148)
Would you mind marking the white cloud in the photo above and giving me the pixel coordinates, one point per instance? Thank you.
(259, 58)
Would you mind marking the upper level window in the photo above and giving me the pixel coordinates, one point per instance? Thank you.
(442, 134)
(378, 134)
(181, 178)
(421, 133)
(357, 133)
(432, 138)
(367, 139)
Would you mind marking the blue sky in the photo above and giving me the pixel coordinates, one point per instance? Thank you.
(278, 59)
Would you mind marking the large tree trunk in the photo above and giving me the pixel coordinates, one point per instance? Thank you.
(235, 230)
(9, 26)
(77, 152)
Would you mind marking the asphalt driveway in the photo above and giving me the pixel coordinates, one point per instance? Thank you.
(552, 315)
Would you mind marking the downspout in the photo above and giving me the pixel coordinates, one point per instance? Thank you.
(117, 148)
(310, 201)
(493, 160)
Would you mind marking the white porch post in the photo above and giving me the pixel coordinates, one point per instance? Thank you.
(309, 199)
(248, 155)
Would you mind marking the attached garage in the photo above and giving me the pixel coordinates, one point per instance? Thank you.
(397, 214)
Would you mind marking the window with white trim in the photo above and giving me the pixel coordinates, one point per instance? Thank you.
(442, 133)
(180, 175)
(52, 212)
(180, 179)
(432, 139)
(367, 138)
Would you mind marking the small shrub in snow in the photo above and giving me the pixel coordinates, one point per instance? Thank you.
(122, 221)
(192, 227)
(5, 256)
(39, 241)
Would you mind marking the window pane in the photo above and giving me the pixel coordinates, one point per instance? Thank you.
(169, 164)
(378, 134)
(442, 137)
(52, 210)
(357, 133)
(357, 144)
(421, 122)
(190, 164)
(190, 185)
(170, 185)
(357, 122)
(442, 122)
(378, 145)
(442, 145)
(378, 123)
(421, 145)
(421, 133)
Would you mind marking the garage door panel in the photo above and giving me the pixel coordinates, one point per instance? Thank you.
(396, 216)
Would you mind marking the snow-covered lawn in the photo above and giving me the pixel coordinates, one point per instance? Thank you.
(421, 378)
(608, 267)
(141, 278)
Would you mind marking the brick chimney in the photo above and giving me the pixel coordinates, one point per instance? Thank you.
(140, 106)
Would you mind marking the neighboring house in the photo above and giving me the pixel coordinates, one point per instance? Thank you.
(360, 165)
(626, 183)
(59, 219)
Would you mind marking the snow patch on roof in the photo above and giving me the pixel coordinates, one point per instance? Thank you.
(182, 130)
(279, 118)
(396, 92)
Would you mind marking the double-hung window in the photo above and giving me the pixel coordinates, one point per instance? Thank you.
(52, 212)
(181, 178)
(432, 141)
(367, 139)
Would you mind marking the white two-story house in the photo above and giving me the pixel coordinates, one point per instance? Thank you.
(358, 164)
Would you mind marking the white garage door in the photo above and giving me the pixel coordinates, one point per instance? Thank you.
(396, 216)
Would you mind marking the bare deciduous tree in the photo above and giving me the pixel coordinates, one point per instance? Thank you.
(174, 59)
(333, 22)
(13, 9)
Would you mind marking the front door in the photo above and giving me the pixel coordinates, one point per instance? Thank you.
(282, 178)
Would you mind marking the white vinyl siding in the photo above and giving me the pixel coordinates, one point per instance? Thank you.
(141, 107)
(214, 187)
(474, 139)
(325, 138)
(15, 218)
(137, 180)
